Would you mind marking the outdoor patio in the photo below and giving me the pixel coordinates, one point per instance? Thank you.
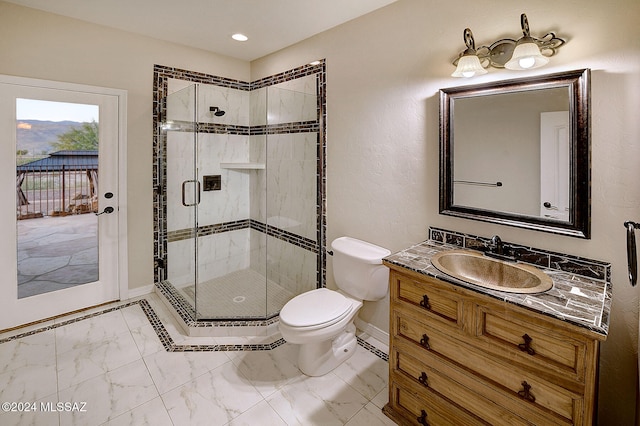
(56, 253)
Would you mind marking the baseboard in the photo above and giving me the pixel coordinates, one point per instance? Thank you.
(373, 331)
(140, 291)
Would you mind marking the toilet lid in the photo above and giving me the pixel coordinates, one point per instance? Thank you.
(315, 307)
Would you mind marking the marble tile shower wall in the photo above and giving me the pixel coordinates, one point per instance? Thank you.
(181, 103)
(285, 114)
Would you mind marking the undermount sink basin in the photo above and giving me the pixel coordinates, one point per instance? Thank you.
(478, 269)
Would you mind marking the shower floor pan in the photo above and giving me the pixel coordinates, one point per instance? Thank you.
(239, 295)
(222, 296)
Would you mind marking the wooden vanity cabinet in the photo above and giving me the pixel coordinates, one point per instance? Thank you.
(458, 357)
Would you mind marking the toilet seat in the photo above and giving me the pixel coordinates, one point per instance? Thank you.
(315, 309)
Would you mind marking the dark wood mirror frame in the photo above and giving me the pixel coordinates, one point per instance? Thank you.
(578, 85)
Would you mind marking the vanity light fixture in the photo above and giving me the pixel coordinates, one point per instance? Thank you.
(468, 64)
(526, 53)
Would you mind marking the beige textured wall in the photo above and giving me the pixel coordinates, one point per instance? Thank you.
(45, 46)
(383, 75)
(384, 72)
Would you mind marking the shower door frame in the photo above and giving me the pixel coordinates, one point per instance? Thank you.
(161, 75)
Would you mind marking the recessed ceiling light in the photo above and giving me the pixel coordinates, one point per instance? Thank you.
(240, 37)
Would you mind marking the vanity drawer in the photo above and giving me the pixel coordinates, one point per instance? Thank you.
(457, 386)
(551, 349)
(520, 386)
(429, 297)
(417, 407)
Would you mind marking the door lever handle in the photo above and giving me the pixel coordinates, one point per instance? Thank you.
(107, 210)
(632, 257)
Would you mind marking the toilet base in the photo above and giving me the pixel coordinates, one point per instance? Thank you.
(319, 358)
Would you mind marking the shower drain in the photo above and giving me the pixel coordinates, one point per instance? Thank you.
(239, 299)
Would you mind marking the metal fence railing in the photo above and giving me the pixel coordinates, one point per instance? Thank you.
(55, 193)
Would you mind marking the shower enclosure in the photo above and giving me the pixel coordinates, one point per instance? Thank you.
(239, 191)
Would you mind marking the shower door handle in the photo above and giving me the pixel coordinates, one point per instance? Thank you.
(184, 193)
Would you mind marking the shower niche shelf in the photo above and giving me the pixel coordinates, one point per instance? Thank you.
(243, 166)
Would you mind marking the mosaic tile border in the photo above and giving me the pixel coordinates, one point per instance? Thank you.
(218, 228)
(281, 234)
(292, 74)
(199, 77)
(168, 342)
(588, 268)
(232, 129)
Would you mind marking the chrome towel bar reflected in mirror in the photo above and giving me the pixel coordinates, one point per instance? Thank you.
(632, 256)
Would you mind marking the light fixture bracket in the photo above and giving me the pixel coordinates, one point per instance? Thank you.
(498, 53)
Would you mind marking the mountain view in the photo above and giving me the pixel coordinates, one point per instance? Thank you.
(36, 136)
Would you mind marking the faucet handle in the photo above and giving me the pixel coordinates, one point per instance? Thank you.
(493, 243)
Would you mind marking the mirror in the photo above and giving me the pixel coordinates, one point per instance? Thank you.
(517, 152)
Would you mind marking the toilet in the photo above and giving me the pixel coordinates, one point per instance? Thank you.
(321, 321)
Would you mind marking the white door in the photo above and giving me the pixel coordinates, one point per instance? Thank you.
(554, 165)
(57, 254)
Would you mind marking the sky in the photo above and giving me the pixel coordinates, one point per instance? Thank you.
(31, 109)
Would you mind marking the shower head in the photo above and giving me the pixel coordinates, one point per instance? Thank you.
(216, 111)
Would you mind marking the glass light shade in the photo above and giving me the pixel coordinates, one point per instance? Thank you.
(526, 56)
(468, 66)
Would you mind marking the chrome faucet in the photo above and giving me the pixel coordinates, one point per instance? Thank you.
(496, 245)
(498, 249)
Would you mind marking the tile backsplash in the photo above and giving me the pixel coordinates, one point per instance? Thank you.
(588, 268)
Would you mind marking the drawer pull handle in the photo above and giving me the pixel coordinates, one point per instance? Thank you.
(525, 392)
(425, 341)
(422, 419)
(526, 346)
(425, 302)
(423, 379)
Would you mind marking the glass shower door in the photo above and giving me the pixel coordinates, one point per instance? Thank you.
(182, 190)
(231, 243)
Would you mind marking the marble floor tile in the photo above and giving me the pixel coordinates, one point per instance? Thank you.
(91, 330)
(382, 397)
(114, 361)
(214, 398)
(324, 400)
(38, 415)
(147, 340)
(365, 372)
(170, 370)
(92, 360)
(30, 351)
(152, 413)
(261, 413)
(134, 316)
(370, 415)
(109, 395)
(28, 383)
(268, 371)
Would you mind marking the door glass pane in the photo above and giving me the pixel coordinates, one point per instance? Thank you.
(56, 195)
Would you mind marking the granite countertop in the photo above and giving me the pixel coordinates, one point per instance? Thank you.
(576, 299)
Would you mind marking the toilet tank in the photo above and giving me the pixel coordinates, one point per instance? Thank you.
(358, 268)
